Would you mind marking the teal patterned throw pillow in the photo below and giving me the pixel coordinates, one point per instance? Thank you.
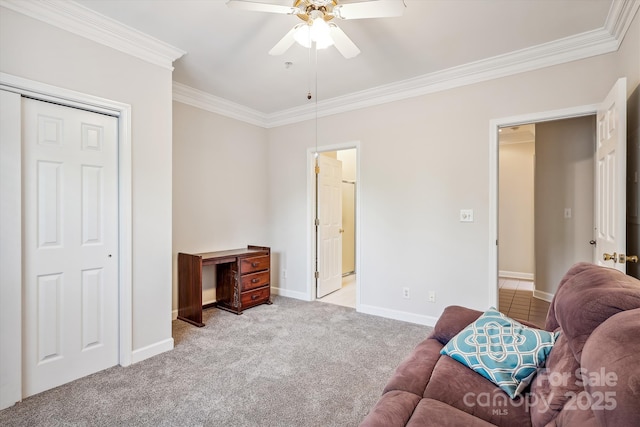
(502, 350)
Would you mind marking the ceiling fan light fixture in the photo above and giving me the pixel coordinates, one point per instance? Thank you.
(316, 31)
(301, 35)
(319, 26)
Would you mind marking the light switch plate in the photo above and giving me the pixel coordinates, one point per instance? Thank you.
(466, 215)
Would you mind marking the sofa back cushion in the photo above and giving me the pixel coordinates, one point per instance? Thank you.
(611, 370)
(586, 297)
(554, 385)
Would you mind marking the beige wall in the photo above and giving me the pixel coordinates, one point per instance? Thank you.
(411, 196)
(564, 179)
(516, 207)
(348, 159)
(34, 50)
(220, 194)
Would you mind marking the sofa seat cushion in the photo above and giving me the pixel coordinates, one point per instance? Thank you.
(458, 386)
(433, 413)
(392, 410)
(575, 415)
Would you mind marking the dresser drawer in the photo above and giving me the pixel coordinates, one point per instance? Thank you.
(255, 297)
(254, 280)
(249, 265)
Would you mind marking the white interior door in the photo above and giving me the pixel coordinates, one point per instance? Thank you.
(610, 173)
(70, 243)
(330, 226)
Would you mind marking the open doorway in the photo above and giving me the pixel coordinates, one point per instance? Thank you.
(335, 236)
(611, 172)
(546, 218)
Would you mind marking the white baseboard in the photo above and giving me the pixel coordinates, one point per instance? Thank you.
(420, 319)
(174, 313)
(289, 294)
(515, 275)
(545, 296)
(152, 350)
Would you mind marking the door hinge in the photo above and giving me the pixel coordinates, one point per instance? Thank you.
(317, 169)
(316, 274)
(317, 222)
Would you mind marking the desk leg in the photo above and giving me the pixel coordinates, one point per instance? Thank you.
(190, 289)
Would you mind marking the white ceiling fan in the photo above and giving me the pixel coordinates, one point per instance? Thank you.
(318, 27)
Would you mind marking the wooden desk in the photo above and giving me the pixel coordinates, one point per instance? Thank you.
(243, 280)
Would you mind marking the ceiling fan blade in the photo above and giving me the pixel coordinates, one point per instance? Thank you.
(285, 43)
(262, 7)
(342, 42)
(370, 9)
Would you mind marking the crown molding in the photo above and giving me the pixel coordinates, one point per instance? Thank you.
(580, 46)
(205, 101)
(82, 21)
(77, 19)
(620, 16)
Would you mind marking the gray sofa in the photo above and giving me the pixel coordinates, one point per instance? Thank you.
(591, 376)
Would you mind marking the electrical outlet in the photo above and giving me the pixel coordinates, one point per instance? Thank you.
(405, 293)
(432, 296)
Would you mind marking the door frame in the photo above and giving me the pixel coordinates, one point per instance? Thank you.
(494, 125)
(311, 200)
(70, 98)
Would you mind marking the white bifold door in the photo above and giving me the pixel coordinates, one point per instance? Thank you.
(70, 243)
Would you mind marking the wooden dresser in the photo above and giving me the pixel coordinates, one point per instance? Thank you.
(243, 280)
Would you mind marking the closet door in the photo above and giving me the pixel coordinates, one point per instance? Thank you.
(70, 244)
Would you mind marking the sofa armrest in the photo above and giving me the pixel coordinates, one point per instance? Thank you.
(454, 318)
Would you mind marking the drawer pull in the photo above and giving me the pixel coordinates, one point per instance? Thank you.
(255, 280)
(255, 264)
(255, 297)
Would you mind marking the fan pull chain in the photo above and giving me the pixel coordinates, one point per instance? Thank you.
(309, 78)
(316, 91)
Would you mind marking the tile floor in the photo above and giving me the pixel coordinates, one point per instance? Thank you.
(345, 296)
(516, 300)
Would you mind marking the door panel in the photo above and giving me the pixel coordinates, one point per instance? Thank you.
(70, 241)
(610, 172)
(330, 227)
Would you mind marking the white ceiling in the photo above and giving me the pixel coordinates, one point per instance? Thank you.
(227, 49)
(517, 134)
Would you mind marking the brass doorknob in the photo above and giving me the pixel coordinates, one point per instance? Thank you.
(608, 257)
(628, 258)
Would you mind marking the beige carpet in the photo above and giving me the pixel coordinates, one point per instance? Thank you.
(292, 363)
